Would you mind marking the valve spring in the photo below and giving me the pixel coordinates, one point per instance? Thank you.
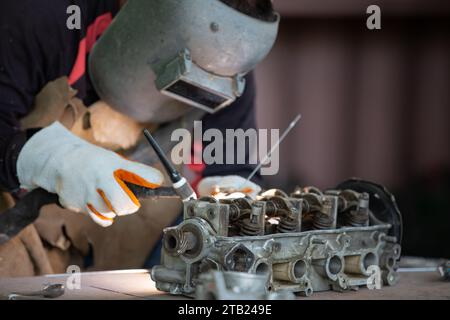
(234, 213)
(247, 228)
(287, 225)
(354, 219)
(321, 221)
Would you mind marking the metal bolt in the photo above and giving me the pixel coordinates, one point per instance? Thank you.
(211, 213)
(214, 27)
(191, 211)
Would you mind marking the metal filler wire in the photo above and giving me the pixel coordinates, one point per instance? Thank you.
(268, 155)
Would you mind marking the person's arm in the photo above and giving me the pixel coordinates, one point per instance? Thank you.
(11, 142)
(35, 48)
(20, 79)
(86, 178)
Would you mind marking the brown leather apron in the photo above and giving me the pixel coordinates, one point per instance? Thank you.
(59, 237)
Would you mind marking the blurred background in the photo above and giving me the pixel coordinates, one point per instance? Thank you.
(375, 105)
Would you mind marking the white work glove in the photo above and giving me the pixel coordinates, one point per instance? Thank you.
(85, 177)
(220, 187)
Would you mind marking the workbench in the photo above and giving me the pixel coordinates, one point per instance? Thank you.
(137, 284)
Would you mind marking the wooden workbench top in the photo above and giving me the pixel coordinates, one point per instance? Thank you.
(137, 284)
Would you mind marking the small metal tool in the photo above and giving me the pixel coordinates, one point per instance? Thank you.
(443, 270)
(418, 269)
(49, 291)
(180, 184)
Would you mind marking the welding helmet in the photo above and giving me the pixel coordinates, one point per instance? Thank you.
(160, 58)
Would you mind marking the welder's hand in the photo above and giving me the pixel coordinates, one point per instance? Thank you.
(222, 186)
(85, 177)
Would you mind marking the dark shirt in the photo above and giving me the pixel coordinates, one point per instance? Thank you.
(36, 47)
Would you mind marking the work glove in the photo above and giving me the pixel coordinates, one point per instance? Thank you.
(222, 187)
(86, 178)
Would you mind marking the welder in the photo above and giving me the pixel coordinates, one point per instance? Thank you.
(135, 64)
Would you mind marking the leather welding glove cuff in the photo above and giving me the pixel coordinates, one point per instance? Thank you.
(213, 186)
(86, 178)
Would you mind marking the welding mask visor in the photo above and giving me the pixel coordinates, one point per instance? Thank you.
(159, 56)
